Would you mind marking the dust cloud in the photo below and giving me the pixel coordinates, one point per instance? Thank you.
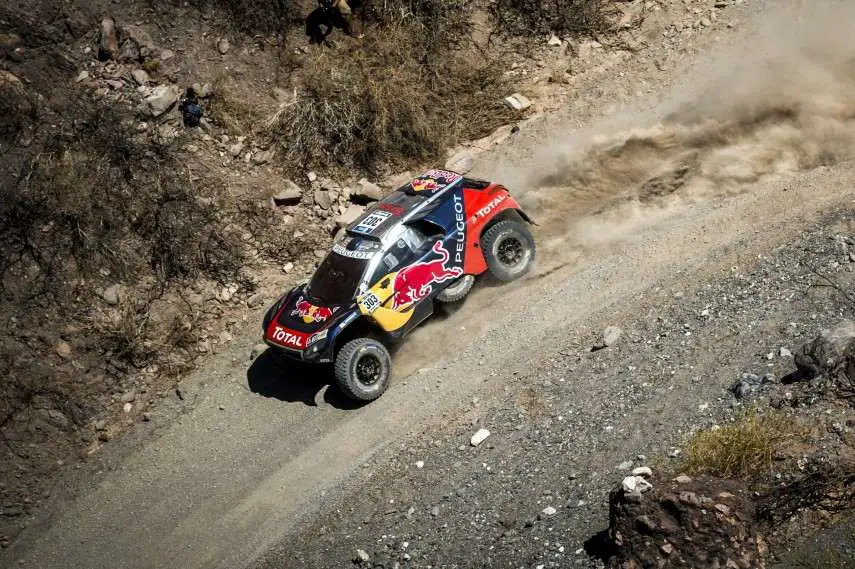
(780, 102)
(783, 101)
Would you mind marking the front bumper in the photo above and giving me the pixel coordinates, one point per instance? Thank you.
(319, 352)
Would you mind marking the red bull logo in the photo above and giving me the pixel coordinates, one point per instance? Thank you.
(415, 282)
(424, 185)
(311, 313)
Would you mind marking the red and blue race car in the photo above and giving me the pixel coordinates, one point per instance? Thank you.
(424, 243)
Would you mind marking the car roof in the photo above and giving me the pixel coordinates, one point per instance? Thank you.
(411, 201)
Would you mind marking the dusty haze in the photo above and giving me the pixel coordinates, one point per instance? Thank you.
(787, 106)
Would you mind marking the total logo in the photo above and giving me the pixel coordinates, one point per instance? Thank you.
(485, 211)
(287, 338)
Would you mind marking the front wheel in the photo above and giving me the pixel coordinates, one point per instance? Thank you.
(508, 249)
(363, 369)
(457, 290)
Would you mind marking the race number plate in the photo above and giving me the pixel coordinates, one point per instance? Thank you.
(369, 302)
(371, 222)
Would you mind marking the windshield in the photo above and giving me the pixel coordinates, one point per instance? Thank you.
(336, 279)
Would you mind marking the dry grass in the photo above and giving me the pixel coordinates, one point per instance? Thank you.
(571, 17)
(252, 16)
(229, 108)
(743, 449)
(396, 101)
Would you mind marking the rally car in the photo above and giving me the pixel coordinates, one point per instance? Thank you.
(424, 243)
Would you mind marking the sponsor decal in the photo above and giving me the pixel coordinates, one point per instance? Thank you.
(317, 337)
(391, 208)
(289, 339)
(311, 313)
(371, 222)
(485, 211)
(449, 177)
(369, 302)
(460, 229)
(415, 282)
(434, 180)
(424, 185)
(345, 252)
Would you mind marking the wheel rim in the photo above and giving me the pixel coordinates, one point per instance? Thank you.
(510, 251)
(369, 369)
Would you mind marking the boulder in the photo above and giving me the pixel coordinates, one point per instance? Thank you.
(112, 294)
(479, 437)
(366, 190)
(611, 335)
(518, 102)
(140, 37)
(263, 156)
(831, 354)
(108, 44)
(323, 199)
(290, 194)
(140, 76)
(235, 149)
(349, 215)
(129, 52)
(63, 349)
(223, 46)
(162, 99)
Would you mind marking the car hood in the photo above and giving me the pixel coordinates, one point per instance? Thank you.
(305, 314)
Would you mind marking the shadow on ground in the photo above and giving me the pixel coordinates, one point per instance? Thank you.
(295, 382)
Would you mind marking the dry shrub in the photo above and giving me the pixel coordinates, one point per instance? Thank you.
(744, 448)
(229, 108)
(98, 203)
(396, 101)
(573, 17)
(253, 16)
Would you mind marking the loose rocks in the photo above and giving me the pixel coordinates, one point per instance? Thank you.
(479, 437)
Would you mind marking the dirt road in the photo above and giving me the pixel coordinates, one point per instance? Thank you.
(258, 452)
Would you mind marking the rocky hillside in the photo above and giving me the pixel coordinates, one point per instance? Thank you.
(134, 245)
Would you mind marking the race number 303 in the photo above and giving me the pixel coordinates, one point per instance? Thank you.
(371, 222)
(370, 302)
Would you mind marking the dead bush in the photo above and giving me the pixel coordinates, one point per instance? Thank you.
(230, 109)
(394, 102)
(743, 449)
(254, 16)
(96, 202)
(571, 17)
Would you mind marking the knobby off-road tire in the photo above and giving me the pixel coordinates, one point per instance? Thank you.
(508, 248)
(457, 290)
(363, 368)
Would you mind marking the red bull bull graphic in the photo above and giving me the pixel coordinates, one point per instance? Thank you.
(311, 313)
(434, 180)
(424, 185)
(415, 282)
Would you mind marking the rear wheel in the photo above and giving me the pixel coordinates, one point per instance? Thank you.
(508, 249)
(457, 290)
(363, 369)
